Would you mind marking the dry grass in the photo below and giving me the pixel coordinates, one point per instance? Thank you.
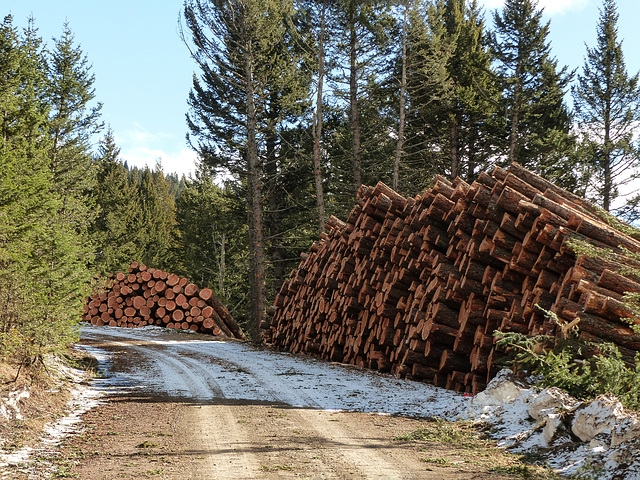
(47, 401)
(463, 444)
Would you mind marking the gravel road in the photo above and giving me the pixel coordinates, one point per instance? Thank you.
(186, 406)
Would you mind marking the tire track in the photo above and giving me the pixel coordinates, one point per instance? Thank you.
(225, 379)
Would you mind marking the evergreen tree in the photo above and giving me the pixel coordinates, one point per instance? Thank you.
(73, 123)
(63, 248)
(362, 147)
(464, 114)
(317, 12)
(114, 230)
(250, 92)
(40, 278)
(154, 221)
(429, 84)
(402, 100)
(537, 122)
(607, 103)
(212, 240)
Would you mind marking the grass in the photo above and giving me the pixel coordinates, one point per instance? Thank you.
(64, 471)
(146, 444)
(466, 446)
(518, 470)
(463, 434)
(276, 468)
(438, 461)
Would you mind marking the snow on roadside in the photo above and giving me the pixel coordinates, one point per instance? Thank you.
(598, 440)
(246, 373)
(83, 398)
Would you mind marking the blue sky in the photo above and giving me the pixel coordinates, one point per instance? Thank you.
(143, 70)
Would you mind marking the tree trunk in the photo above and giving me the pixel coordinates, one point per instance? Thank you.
(273, 221)
(317, 126)
(470, 166)
(353, 95)
(222, 266)
(515, 116)
(608, 182)
(403, 99)
(453, 147)
(255, 193)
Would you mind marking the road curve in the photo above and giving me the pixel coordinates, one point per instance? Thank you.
(249, 410)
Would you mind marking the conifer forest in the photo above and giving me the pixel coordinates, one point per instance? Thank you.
(294, 105)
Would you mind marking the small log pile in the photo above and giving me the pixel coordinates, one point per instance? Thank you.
(147, 296)
(418, 286)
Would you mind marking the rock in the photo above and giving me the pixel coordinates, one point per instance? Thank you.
(549, 409)
(553, 423)
(600, 416)
(626, 430)
(550, 401)
(504, 388)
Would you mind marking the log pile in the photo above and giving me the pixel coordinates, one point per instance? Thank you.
(418, 286)
(147, 296)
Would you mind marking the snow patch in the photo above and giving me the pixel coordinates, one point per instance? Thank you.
(83, 398)
(10, 406)
(597, 439)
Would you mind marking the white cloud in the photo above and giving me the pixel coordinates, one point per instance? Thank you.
(140, 147)
(181, 162)
(551, 7)
(139, 135)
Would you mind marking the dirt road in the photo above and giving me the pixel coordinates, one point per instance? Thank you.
(194, 408)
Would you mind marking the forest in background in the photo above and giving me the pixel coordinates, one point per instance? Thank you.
(294, 105)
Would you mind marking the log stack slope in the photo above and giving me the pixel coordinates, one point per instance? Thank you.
(146, 296)
(418, 286)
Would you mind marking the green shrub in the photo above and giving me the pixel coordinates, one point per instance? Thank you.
(582, 369)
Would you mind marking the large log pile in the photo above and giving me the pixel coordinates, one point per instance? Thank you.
(147, 296)
(418, 286)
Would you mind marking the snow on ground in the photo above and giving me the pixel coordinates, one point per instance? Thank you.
(595, 441)
(240, 371)
(83, 398)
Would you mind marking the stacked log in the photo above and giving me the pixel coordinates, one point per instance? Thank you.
(147, 296)
(418, 286)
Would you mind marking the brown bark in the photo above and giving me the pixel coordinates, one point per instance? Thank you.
(353, 97)
(317, 124)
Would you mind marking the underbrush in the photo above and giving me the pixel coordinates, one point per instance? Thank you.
(583, 369)
(465, 445)
(33, 395)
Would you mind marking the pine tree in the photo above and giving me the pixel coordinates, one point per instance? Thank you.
(465, 113)
(212, 240)
(251, 86)
(73, 123)
(537, 122)
(114, 230)
(607, 103)
(402, 100)
(429, 85)
(40, 282)
(320, 33)
(65, 249)
(362, 151)
(62, 248)
(154, 223)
